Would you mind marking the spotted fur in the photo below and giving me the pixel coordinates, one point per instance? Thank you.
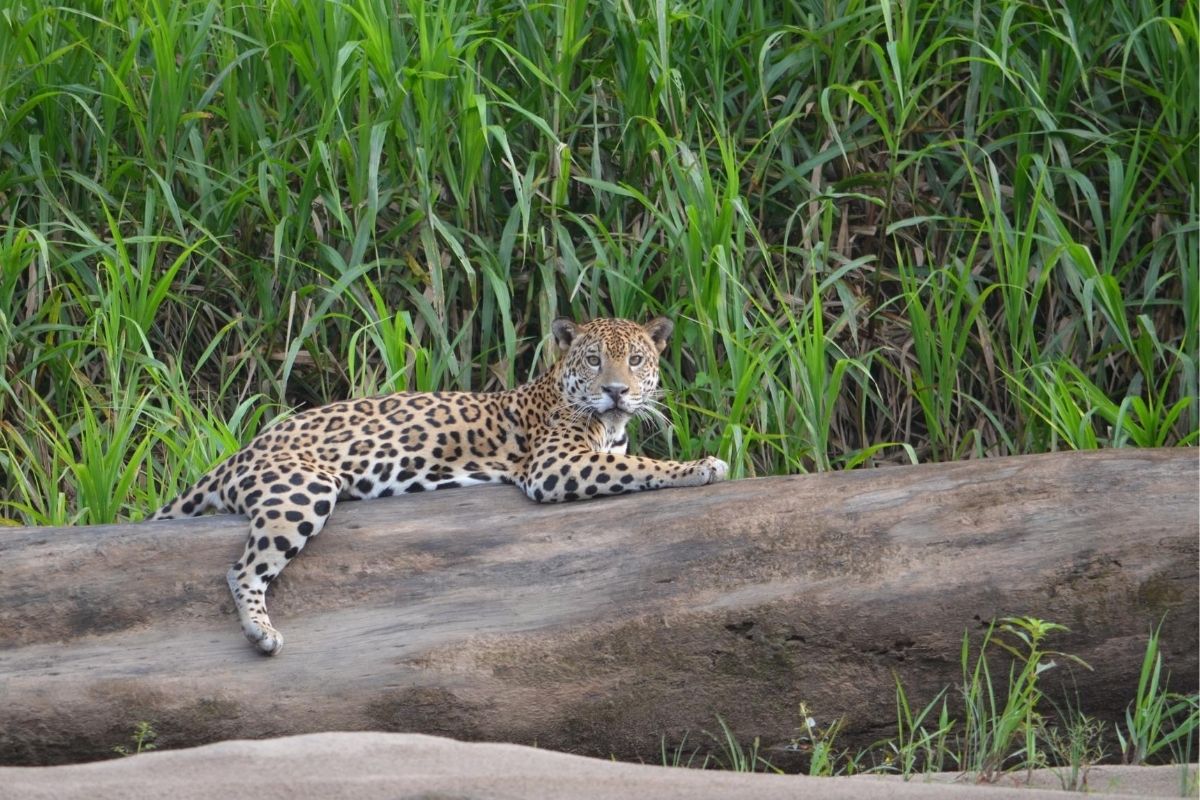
(560, 437)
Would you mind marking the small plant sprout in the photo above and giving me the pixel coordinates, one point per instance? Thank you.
(823, 758)
(1074, 748)
(735, 757)
(992, 726)
(679, 756)
(143, 740)
(1157, 718)
(915, 743)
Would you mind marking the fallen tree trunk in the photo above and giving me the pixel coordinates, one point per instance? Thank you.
(600, 627)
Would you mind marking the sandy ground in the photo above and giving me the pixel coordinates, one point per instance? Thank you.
(364, 766)
(1103, 781)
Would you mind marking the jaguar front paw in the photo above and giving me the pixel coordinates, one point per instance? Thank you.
(712, 470)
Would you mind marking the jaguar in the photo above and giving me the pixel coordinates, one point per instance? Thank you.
(561, 437)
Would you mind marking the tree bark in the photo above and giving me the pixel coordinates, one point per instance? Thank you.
(601, 627)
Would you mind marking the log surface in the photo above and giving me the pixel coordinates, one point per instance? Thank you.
(600, 627)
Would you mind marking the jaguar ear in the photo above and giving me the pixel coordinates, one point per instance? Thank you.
(564, 331)
(659, 329)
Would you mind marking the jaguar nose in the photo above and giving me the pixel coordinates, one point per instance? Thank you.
(615, 391)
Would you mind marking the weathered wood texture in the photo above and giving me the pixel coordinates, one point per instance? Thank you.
(598, 627)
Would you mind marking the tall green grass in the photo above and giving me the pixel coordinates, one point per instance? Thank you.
(887, 231)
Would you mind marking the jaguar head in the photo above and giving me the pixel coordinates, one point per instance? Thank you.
(611, 365)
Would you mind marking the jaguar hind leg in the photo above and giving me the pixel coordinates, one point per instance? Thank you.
(289, 506)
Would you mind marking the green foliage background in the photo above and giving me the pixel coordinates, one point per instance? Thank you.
(887, 231)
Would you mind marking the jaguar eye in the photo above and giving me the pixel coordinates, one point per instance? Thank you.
(635, 360)
(593, 361)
